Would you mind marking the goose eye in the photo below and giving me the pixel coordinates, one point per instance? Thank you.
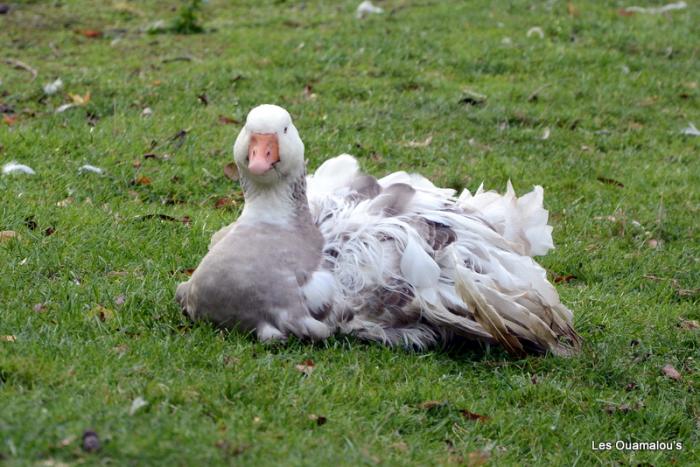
(285, 130)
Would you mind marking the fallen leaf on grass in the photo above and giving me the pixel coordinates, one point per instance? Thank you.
(48, 231)
(669, 371)
(306, 367)
(224, 203)
(14, 167)
(90, 33)
(689, 324)
(224, 120)
(231, 171)
(9, 119)
(8, 338)
(319, 419)
(566, 279)
(429, 405)
(477, 458)
(187, 271)
(419, 144)
(474, 416)
(141, 180)
(6, 235)
(101, 313)
(203, 98)
(611, 181)
(80, 100)
(137, 404)
(91, 442)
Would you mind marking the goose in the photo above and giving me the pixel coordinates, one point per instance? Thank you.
(394, 260)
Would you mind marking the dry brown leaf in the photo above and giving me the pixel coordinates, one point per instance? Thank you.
(224, 120)
(566, 278)
(101, 313)
(669, 371)
(141, 180)
(428, 405)
(571, 9)
(231, 171)
(625, 12)
(8, 235)
(689, 324)
(306, 367)
(80, 100)
(136, 164)
(224, 203)
(8, 338)
(9, 119)
(474, 416)
(90, 33)
(477, 458)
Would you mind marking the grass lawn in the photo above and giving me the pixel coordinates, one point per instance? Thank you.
(88, 322)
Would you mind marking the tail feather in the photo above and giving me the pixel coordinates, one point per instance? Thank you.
(522, 221)
(485, 314)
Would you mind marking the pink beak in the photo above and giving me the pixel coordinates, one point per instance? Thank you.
(263, 152)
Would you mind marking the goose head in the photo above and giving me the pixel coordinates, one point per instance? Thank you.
(268, 148)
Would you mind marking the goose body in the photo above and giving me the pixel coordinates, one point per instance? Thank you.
(395, 260)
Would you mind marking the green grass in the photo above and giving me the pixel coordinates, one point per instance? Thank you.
(378, 83)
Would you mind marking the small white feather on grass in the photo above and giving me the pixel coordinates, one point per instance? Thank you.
(14, 167)
(90, 168)
(367, 8)
(53, 87)
(690, 130)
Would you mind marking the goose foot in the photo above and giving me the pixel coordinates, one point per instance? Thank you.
(268, 333)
